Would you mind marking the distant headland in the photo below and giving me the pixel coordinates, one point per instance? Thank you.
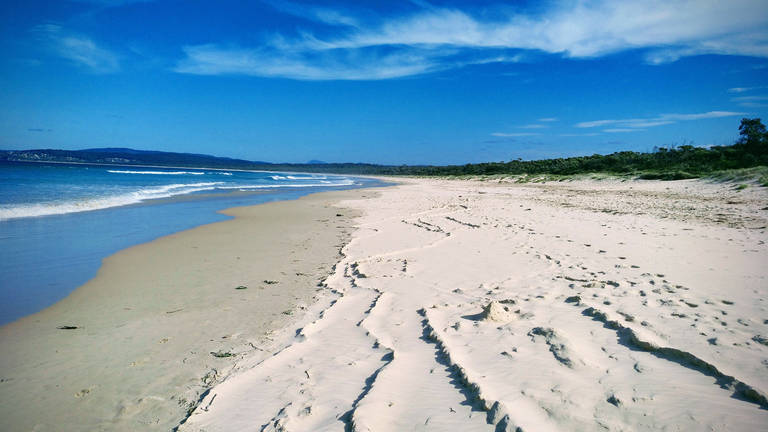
(750, 151)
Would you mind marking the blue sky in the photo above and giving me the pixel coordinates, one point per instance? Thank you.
(379, 81)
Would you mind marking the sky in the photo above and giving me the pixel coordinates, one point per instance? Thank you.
(409, 82)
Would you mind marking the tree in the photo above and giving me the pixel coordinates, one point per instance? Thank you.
(753, 135)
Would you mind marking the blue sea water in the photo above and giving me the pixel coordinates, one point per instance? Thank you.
(58, 221)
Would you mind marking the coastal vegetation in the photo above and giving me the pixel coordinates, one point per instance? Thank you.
(746, 158)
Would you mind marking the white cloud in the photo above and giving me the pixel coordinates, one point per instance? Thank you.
(706, 115)
(533, 126)
(106, 4)
(745, 89)
(548, 119)
(319, 14)
(648, 123)
(625, 125)
(78, 49)
(579, 134)
(621, 130)
(589, 29)
(749, 98)
(514, 134)
(634, 123)
(751, 101)
(349, 65)
(414, 44)
(335, 64)
(596, 123)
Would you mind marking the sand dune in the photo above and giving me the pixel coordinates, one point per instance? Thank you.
(463, 305)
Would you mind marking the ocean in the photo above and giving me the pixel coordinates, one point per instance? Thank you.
(58, 221)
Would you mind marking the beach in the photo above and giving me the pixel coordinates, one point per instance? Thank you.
(429, 305)
(582, 305)
(344, 216)
(163, 321)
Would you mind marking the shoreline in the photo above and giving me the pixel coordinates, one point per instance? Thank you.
(107, 202)
(72, 235)
(163, 321)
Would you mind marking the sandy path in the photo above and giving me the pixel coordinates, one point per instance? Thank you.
(620, 306)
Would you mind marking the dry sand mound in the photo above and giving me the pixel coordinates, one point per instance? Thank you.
(496, 311)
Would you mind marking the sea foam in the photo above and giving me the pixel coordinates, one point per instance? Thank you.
(102, 202)
(158, 172)
(140, 195)
(290, 177)
(247, 187)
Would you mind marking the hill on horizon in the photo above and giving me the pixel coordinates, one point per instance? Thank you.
(686, 161)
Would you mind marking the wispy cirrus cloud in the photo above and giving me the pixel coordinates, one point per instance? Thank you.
(333, 64)
(636, 124)
(112, 3)
(588, 29)
(751, 101)
(750, 98)
(78, 49)
(588, 134)
(745, 89)
(413, 43)
(514, 134)
(700, 116)
(349, 65)
(541, 124)
(314, 13)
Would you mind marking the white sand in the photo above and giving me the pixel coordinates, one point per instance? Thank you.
(463, 305)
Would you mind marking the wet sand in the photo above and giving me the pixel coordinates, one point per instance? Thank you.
(163, 321)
